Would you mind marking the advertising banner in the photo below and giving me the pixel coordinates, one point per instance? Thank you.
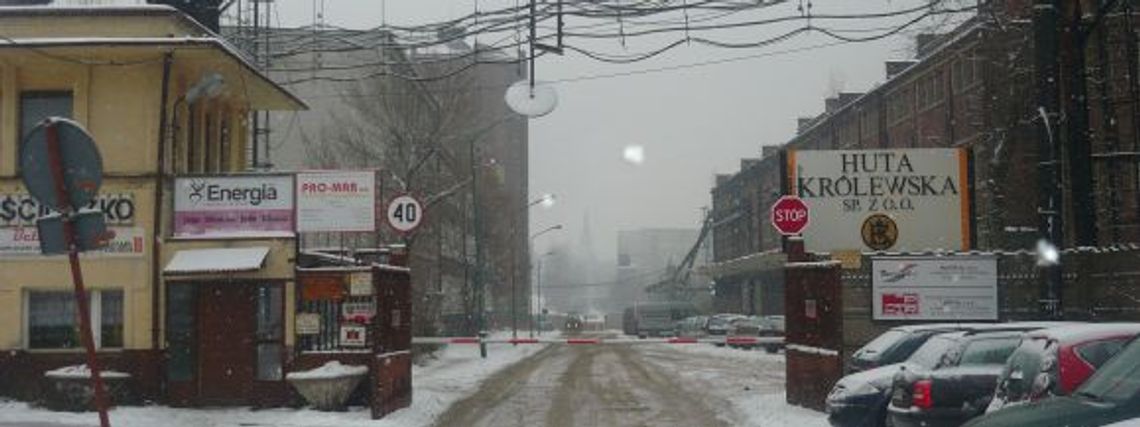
(336, 201)
(233, 206)
(21, 210)
(25, 241)
(934, 288)
(883, 200)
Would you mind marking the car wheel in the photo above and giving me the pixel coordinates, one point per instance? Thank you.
(771, 349)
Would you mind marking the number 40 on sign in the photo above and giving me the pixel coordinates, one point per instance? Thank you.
(405, 213)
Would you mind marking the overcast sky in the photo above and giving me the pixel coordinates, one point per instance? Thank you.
(692, 123)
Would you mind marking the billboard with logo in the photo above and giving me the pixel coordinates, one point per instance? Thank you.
(934, 288)
(883, 200)
(233, 206)
(336, 201)
(25, 241)
(21, 209)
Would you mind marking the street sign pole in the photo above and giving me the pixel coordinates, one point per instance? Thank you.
(55, 159)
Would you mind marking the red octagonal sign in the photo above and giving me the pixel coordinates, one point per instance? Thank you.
(790, 215)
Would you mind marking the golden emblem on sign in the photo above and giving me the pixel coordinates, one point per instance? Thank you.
(880, 232)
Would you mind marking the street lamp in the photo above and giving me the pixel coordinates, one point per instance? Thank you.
(538, 302)
(547, 201)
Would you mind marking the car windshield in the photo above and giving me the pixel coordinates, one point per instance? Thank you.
(880, 343)
(930, 354)
(1118, 380)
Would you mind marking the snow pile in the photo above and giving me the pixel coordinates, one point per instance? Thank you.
(330, 370)
(81, 371)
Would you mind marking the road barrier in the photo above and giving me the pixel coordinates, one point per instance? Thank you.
(731, 341)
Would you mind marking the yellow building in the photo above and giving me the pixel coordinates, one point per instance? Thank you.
(167, 103)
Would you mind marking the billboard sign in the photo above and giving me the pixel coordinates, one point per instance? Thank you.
(22, 210)
(25, 241)
(878, 200)
(934, 288)
(336, 201)
(233, 206)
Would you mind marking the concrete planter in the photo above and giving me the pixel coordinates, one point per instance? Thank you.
(327, 392)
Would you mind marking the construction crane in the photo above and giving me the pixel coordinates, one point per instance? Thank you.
(675, 284)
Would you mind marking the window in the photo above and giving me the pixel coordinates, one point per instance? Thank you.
(52, 320)
(35, 106)
(988, 352)
(270, 330)
(1098, 352)
(180, 304)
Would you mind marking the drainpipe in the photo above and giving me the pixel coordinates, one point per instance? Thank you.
(159, 183)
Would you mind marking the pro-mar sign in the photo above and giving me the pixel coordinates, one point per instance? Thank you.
(872, 200)
(934, 288)
(336, 201)
(233, 206)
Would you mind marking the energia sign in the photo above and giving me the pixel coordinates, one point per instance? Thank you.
(233, 206)
(874, 200)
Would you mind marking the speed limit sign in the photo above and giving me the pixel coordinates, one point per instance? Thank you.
(405, 213)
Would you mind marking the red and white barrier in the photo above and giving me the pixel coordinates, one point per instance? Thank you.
(731, 340)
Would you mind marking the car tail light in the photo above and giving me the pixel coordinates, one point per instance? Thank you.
(921, 394)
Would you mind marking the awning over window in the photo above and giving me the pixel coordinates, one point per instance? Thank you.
(222, 260)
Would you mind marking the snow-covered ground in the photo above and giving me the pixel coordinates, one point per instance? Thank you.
(456, 373)
(747, 386)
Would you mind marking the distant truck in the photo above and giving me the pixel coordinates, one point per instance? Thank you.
(654, 319)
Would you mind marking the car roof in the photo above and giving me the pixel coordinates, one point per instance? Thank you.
(1087, 332)
(998, 329)
(1024, 326)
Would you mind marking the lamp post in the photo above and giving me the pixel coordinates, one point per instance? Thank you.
(547, 201)
(477, 276)
(538, 301)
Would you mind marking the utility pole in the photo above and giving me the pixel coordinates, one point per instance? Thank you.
(1049, 192)
(477, 273)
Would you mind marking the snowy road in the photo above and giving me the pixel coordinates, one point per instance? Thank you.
(555, 385)
(635, 385)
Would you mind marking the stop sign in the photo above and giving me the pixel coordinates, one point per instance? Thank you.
(789, 215)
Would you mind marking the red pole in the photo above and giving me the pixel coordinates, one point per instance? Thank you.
(56, 159)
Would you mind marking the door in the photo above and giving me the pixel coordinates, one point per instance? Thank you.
(226, 343)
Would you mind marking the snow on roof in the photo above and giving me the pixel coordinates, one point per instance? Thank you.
(81, 371)
(1088, 331)
(219, 260)
(332, 369)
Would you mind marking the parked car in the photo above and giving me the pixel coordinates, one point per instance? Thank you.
(1110, 395)
(959, 386)
(719, 324)
(896, 345)
(860, 399)
(750, 326)
(775, 328)
(692, 326)
(1054, 362)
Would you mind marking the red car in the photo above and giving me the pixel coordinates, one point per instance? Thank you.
(1054, 362)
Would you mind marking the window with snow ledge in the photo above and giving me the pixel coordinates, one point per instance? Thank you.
(51, 321)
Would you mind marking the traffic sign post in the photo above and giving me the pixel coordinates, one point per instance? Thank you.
(62, 169)
(789, 215)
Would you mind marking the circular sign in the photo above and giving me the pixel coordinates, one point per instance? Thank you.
(61, 148)
(405, 213)
(879, 232)
(789, 215)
